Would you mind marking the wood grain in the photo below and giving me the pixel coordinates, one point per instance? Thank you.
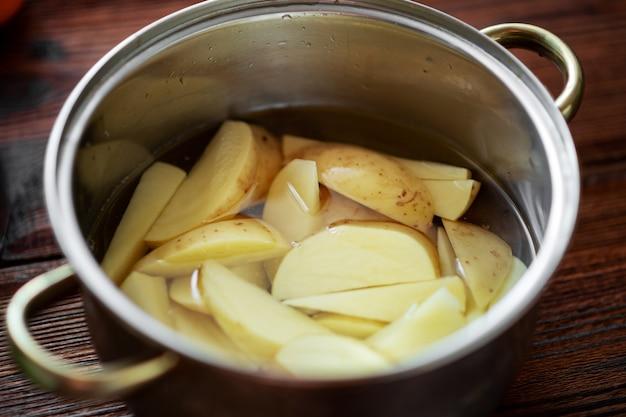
(577, 366)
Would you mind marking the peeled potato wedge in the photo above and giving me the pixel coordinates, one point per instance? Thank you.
(155, 188)
(256, 322)
(329, 356)
(355, 255)
(186, 292)
(452, 198)
(294, 200)
(149, 293)
(385, 303)
(294, 145)
(203, 331)
(231, 242)
(218, 181)
(440, 315)
(485, 259)
(374, 180)
(435, 170)
(253, 272)
(349, 326)
(447, 257)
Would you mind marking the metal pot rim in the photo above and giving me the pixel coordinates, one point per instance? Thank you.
(556, 139)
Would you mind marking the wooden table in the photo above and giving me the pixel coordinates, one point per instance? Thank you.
(577, 366)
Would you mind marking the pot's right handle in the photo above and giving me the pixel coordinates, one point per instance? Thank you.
(52, 372)
(534, 38)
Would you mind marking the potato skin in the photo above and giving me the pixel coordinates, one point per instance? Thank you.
(269, 161)
(374, 180)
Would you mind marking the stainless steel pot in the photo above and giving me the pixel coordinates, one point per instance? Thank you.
(389, 60)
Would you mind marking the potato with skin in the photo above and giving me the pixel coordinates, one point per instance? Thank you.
(421, 326)
(293, 146)
(447, 257)
(518, 269)
(356, 327)
(293, 201)
(384, 303)
(485, 259)
(329, 356)
(256, 322)
(155, 188)
(428, 170)
(451, 199)
(270, 160)
(374, 180)
(337, 208)
(150, 294)
(355, 255)
(218, 181)
(230, 242)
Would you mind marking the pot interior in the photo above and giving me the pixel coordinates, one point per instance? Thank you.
(403, 85)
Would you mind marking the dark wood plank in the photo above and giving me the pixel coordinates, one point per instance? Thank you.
(577, 366)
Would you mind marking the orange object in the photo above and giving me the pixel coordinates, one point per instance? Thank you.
(8, 8)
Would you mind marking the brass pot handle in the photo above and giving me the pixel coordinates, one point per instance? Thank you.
(52, 372)
(534, 38)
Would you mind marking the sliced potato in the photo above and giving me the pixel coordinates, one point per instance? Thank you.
(329, 356)
(217, 182)
(231, 242)
(271, 266)
(435, 170)
(337, 208)
(355, 255)
(374, 180)
(149, 293)
(447, 257)
(102, 166)
(517, 270)
(440, 315)
(294, 145)
(451, 199)
(270, 159)
(385, 303)
(349, 326)
(186, 292)
(484, 259)
(253, 319)
(253, 272)
(155, 188)
(203, 331)
(294, 200)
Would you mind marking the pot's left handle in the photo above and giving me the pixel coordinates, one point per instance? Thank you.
(52, 372)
